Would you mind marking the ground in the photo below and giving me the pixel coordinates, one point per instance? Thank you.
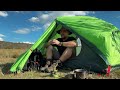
(9, 56)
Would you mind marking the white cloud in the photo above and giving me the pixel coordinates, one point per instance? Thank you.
(53, 14)
(1, 39)
(34, 19)
(19, 12)
(27, 30)
(23, 31)
(28, 42)
(3, 13)
(1, 35)
(35, 28)
(47, 18)
(45, 26)
(44, 17)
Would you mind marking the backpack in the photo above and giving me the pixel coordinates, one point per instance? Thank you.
(35, 61)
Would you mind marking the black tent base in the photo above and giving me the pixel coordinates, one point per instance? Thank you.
(87, 59)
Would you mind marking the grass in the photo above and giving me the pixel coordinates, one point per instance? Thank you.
(10, 53)
(9, 56)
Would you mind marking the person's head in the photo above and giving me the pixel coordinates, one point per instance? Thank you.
(64, 33)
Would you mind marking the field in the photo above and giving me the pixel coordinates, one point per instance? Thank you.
(8, 57)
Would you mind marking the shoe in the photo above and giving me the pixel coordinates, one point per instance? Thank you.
(45, 67)
(52, 68)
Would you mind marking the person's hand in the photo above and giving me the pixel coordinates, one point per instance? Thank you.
(50, 41)
(56, 42)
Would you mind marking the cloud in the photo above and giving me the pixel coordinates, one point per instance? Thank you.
(44, 17)
(50, 15)
(35, 28)
(23, 31)
(19, 12)
(34, 19)
(1, 39)
(47, 17)
(3, 13)
(1, 35)
(27, 30)
(45, 26)
(53, 14)
(28, 42)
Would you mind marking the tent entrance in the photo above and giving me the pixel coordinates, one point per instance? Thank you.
(55, 35)
(85, 56)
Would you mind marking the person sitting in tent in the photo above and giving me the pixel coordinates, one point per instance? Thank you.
(66, 49)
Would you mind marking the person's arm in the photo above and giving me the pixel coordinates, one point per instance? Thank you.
(69, 44)
(48, 44)
(65, 44)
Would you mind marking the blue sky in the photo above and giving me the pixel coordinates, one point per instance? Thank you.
(28, 26)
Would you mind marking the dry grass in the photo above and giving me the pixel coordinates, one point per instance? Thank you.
(10, 53)
(8, 57)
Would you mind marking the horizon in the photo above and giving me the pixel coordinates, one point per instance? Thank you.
(18, 42)
(28, 26)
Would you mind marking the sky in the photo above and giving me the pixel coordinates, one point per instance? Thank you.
(28, 26)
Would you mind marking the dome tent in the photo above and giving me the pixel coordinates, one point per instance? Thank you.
(100, 43)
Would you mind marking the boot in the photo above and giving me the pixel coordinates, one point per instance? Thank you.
(52, 68)
(46, 66)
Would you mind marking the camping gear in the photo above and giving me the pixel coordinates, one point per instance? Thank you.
(80, 74)
(35, 61)
(100, 42)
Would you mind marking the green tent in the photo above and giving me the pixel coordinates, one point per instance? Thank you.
(100, 43)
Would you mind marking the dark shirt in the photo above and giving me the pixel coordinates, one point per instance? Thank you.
(61, 49)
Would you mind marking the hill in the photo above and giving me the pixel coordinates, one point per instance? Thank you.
(10, 45)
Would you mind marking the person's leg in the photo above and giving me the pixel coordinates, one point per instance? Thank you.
(68, 53)
(49, 52)
(56, 54)
(49, 55)
(52, 53)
